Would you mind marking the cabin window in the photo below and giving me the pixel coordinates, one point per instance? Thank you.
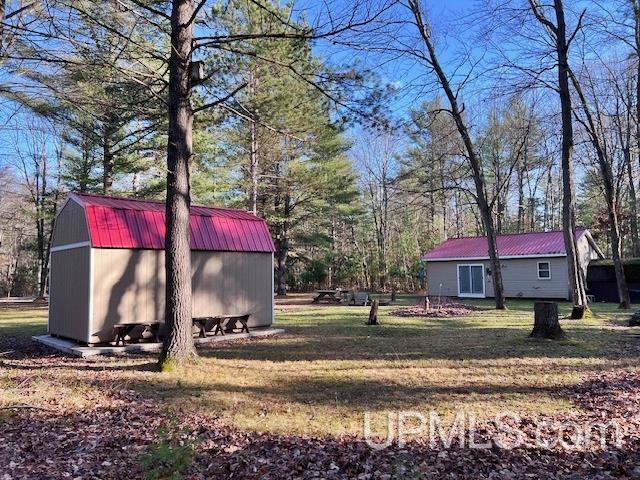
(544, 271)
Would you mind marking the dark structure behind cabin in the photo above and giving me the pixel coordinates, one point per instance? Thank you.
(601, 280)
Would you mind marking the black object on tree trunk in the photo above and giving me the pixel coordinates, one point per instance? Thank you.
(546, 324)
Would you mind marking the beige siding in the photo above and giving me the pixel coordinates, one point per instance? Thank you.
(520, 278)
(442, 278)
(70, 225)
(69, 293)
(129, 286)
(233, 283)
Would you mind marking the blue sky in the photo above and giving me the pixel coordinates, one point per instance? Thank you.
(404, 73)
(400, 72)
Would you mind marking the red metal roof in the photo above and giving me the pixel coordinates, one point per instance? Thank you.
(512, 245)
(130, 223)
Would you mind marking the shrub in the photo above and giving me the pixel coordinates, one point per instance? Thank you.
(169, 457)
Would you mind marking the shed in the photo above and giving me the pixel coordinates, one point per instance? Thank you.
(602, 284)
(107, 265)
(534, 265)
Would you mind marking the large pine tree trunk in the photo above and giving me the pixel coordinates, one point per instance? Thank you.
(178, 344)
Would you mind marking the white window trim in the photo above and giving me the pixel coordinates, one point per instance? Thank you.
(538, 270)
(470, 295)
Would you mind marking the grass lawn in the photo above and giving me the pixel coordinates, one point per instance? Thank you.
(329, 368)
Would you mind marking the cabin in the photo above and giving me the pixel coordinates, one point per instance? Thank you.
(108, 266)
(534, 265)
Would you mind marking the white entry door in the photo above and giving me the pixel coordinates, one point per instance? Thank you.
(471, 280)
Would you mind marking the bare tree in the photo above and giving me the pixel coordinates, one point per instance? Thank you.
(593, 124)
(376, 157)
(40, 176)
(562, 41)
(623, 120)
(431, 58)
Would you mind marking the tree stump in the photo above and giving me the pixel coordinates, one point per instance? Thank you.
(578, 311)
(373, 313)
(546, 324)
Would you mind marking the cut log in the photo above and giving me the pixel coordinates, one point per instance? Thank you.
(578, 311)
(546, 324)
(373, 313)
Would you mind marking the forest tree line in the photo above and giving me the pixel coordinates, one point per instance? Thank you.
(357, 174)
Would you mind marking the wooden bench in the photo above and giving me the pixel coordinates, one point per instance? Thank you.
(360, 298)
(221, 324)
(122, 330)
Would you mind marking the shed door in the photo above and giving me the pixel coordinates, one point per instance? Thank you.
(471, 280)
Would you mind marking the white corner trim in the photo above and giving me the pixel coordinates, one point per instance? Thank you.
(91, 282)
(70, 246)
(273, 293)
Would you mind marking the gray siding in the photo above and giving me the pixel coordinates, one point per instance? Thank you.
(519, 276)
(129, 285)
(70, 225)
(69, 293)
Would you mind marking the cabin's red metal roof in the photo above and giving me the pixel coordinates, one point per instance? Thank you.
(512, 245)
(130, 223)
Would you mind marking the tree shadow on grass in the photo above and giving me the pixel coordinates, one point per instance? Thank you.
(434, 342)
(79, 365)
(364, 394)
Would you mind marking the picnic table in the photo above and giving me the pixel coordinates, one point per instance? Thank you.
(221, 324)
(122, 330)
(332, 296)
